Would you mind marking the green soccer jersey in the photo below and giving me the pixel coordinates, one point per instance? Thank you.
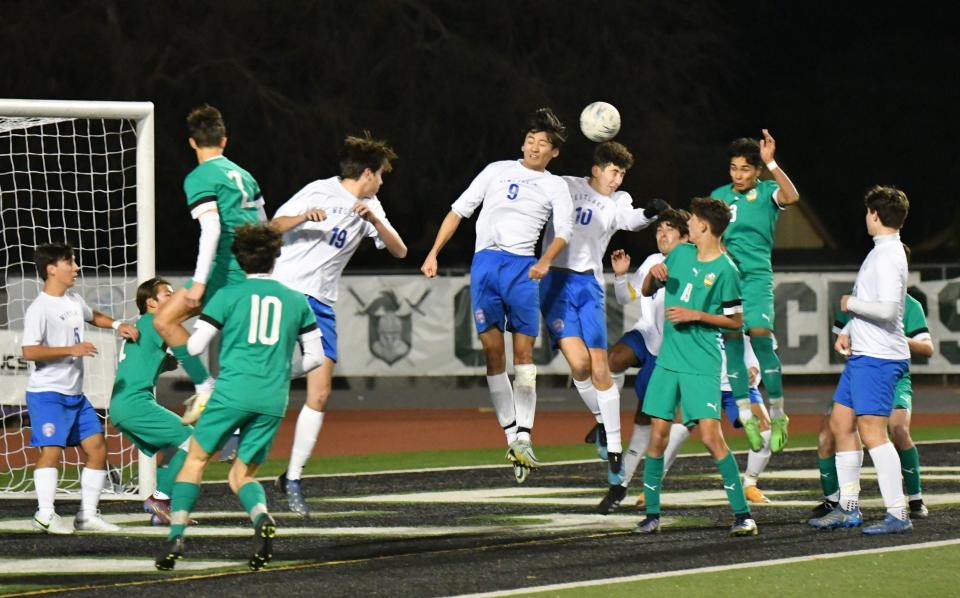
(712, 287)
(140, 362)
(237, 196)
(753, 220)
(260, 320)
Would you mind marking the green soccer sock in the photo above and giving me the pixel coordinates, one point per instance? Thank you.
(167, 474)
(254, 500)
(652, 478)
(910, 466)
(737, 367)
(770, 369)
(828, 477)
(191, 364)
(731, 483)
(183, 498)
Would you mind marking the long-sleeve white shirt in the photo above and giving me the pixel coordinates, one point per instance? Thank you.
(882, 279)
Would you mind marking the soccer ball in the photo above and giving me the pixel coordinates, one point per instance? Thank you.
(600, 121)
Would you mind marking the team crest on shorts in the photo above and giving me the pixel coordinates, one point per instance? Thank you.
(48, 429)
(557, 325)
(480, 317)
(709, 279)
(390, 324)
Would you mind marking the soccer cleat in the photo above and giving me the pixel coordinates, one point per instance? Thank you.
(615, 473)
(918, 510)
(611, 501)
(159, 510)
(744, 526)
(520, 472)
(598, 436)
(650, 525)
(752, 429)
(293, 490)
(54, 525)
(264, 533)
(825, 507)
(172, 552)
(889, 525)
(229, 450)
(837, 518)
(522, 453)
(195, 406)
(778, 434)
(753, 494)
(93, 523)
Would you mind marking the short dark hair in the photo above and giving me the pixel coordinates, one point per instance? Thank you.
(890, 204)
(257, 247)
(611, 152)
(361, 153)
(677, 219)
(544, 120)
(206, 126)
(49, 254)
(148, 290)
(712, 211)
(746, 148)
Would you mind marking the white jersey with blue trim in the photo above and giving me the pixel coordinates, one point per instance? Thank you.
(882, 278)
(314, 254)
(56, 322)
(517, 202)
(595, 218)
(650, 323)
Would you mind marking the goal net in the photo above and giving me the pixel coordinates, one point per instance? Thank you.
(81, 173)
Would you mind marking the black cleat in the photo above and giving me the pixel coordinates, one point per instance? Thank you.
(824, 508)
(264, 533)
(280, 484)
(172, 552)
(918, 510)
(611, 501)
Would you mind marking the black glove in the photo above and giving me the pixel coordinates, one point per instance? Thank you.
(654, 207)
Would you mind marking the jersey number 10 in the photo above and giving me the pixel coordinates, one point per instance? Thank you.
(265, 313)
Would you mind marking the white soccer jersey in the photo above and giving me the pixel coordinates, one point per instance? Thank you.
(595, 218)
(882, 278)
(650, 324)
(56, 322)
(749, 357)
(314, 254)
(517, 202)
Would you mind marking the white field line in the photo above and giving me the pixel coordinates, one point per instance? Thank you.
(713, 569)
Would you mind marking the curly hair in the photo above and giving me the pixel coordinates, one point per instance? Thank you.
(611, 152)
(257, 247)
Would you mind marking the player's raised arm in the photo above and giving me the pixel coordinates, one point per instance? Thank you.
(787, 194)
(384, 231)
(623, 290)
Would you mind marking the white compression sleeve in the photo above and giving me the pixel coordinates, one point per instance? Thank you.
(312, 344)
(879, 311)
(203, 333)
(209, 237)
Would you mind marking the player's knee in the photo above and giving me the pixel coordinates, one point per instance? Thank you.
(825, 444)
(901, 435)
(526, 375)
(580, 371)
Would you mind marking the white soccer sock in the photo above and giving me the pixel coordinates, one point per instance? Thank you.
(619, 379)
(305, 436)
(588, 392)
(206, 385)
(757, 461)
(609, 402)
(776, 408)
(634, 455)
(45, 482)
(746, 414)
(678, 435)
(501, 395)
(848, 476)
(91, 485)
(160, 495)
(525, 398)
(887, 463)
(915, 497)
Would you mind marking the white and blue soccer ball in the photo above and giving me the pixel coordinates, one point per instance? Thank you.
(600, 121)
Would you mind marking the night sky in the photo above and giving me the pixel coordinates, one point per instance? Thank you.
(854, 96)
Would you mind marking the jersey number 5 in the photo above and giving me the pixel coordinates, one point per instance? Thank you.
(265, 313)
(245, 202)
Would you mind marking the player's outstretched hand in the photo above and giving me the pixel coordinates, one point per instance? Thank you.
(539, 270)
(659, 272)
(429, 267)
(620, 262)
(655, 207)
(128, 332)
(842, 346)
(768, 147)
(678, 315)
(363, 210)
(317, 215)
(194, 295)
(84, 349)
(843, 303)
(752, 375)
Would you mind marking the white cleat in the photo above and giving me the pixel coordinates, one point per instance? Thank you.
(93, 523)
(195, 406)
(522, 453)
(54, 525)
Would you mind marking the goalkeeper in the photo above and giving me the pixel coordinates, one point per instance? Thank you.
(133, 406)
(221, 196)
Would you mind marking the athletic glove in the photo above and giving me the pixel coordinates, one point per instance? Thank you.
(654, 207)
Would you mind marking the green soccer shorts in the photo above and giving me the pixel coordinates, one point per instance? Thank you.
(220, 277)
(218, 422)
(698, 396)
(903, 393)
(151, 427)
(756, 290)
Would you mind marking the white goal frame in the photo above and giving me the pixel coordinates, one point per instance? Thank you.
(142, 113)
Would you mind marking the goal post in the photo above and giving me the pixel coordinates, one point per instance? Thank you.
(81, 172)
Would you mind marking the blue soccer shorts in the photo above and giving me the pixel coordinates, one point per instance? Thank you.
(572, 305)
(327, 323)
(729, 405)
(60, 420)
(502, 294)
(867, 384)
(646, 359)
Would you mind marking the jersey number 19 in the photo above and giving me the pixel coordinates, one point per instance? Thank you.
(265, 313)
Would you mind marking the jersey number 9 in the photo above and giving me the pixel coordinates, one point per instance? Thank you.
(265, 316)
